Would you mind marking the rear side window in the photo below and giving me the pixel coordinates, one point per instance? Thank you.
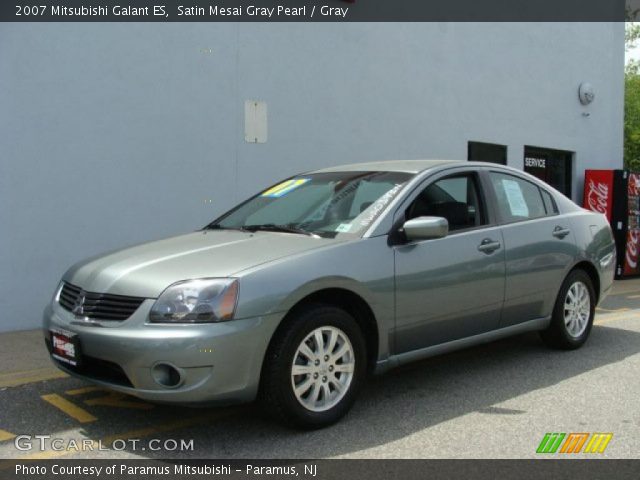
(549, 203)
(518, 199)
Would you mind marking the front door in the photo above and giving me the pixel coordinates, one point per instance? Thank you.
(452, 287)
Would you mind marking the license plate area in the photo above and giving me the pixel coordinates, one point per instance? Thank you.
(65, 347)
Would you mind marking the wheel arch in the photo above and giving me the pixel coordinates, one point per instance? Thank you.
(590, 269)
(349, 301)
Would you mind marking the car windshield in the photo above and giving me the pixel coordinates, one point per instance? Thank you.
(323, 204)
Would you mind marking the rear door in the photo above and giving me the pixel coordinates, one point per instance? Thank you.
(452, 287)
(539, 246)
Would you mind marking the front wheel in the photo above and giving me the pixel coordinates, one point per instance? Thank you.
(314, 368)
(573, 313)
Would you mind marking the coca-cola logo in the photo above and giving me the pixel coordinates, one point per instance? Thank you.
(632, 249)
(598, 196)
(633, 187)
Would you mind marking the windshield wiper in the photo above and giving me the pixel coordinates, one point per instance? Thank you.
(272, 227)
(217, 226)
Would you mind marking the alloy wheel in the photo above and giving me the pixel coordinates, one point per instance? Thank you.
(322, 369)
(577, 309)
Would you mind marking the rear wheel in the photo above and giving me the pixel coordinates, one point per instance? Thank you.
(573, 313)
(314, 368)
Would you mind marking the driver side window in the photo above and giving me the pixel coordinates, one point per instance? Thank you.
(455, 198)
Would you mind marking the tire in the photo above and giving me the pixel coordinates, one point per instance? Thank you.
(569, 332)
(326, 388)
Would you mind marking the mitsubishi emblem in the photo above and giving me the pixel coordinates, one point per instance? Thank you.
(78, 307)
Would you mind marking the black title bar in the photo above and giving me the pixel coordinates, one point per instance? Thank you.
(316, 11)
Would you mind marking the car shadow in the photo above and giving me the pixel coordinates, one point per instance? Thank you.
(403, 401)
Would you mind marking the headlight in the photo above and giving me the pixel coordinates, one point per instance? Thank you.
(196, 301)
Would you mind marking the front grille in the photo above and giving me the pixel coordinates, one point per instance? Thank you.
(99, 306)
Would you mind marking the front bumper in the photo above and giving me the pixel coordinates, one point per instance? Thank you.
(217, 362)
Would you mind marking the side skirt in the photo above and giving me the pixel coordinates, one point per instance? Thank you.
(402, 358)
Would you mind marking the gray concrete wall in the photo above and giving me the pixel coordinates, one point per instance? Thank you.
(113, 134)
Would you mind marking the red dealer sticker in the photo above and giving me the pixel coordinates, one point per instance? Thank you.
(65, 348)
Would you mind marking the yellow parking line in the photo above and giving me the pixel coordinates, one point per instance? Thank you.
(633, 296)
(4, 435)
(14, 379)
(83, 390)
(69, 408)
(111, 399)
(139, 433)
(600, 319)
(119, 400)
(600, 309)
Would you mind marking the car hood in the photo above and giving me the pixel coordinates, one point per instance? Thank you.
(145, 270)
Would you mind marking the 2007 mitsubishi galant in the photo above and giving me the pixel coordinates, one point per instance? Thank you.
(296, 294)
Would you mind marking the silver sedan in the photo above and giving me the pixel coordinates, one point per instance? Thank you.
(295, 295)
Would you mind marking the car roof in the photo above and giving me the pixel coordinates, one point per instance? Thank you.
(407, 166)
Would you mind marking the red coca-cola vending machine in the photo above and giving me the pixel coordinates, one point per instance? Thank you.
(616, 193)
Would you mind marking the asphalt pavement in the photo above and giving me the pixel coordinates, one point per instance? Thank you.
(493, 401)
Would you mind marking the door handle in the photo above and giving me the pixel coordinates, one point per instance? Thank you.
(560, 232)
(489, 246)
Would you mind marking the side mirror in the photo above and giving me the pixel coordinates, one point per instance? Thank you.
(426, 228)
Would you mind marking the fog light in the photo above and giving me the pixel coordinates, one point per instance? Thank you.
(166, 375)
